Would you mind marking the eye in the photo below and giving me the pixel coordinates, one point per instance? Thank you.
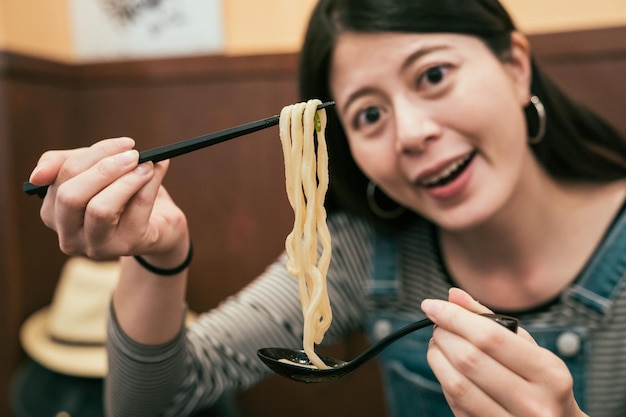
(433, 76)
(367, 116)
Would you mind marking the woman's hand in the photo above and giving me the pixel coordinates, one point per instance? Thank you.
(486, 370)
(102, 204)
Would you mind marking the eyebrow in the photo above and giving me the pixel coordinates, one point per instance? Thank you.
(358, 93)
(418, 54)
(421, 53)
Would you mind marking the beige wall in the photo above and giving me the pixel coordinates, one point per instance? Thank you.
(2, 26)
(537, 16)
(265, 26)
(278, 25)
(41, 27)
(37, 27)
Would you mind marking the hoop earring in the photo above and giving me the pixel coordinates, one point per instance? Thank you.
(541, 120)
(376, 208)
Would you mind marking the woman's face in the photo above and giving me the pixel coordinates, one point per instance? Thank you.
(435, 120)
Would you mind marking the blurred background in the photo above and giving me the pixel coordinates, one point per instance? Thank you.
(75, 71)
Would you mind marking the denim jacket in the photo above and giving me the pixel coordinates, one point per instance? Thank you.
(411, 387)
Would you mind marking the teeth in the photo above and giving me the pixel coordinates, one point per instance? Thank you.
(445, 172)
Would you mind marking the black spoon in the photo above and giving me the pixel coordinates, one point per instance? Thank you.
(294, 364)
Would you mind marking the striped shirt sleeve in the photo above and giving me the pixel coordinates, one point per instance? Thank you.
(217, 354)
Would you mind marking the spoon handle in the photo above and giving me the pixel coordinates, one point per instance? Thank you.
(386, 341)
(510, 323)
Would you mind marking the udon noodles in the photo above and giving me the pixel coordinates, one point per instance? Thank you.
(308, 245)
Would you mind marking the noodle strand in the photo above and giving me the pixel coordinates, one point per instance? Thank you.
(308, 245)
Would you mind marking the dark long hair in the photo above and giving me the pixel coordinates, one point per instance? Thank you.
(577, 146)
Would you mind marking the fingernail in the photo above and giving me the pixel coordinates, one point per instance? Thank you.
(125, 141)
(145, 168)
(127, 158)
(432, 307)
(35, 171)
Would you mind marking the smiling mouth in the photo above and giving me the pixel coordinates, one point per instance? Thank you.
(448, 174)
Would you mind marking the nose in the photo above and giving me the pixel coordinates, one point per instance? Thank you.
(414, 128)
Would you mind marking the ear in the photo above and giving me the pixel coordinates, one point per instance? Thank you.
(518, 64)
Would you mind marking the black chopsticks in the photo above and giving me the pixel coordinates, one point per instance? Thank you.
(189, 145)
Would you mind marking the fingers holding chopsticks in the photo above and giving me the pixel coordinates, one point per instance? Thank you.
(64, 164)
(75, 176)
(100, 201)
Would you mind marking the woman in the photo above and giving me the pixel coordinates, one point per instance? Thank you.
(454, 163)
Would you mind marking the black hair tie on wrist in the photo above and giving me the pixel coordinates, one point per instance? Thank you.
(167, 272)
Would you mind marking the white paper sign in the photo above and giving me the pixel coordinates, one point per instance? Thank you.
(117, 29)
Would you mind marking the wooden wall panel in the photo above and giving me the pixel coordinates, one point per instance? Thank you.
(590, 66)
(233, 192)
(8, 270)
(36, 113)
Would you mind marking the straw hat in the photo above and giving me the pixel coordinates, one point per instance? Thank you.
(68, 336)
